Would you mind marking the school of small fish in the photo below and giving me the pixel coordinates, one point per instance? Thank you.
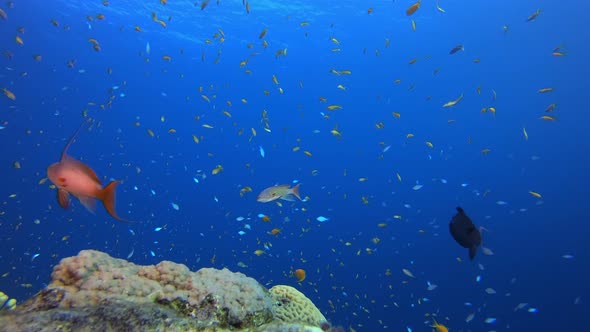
(257, 108)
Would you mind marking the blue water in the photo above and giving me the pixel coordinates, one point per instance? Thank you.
(347, 258)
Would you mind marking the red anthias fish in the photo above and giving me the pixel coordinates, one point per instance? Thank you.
(72, 176)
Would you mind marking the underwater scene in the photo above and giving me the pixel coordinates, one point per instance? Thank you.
(407, 165)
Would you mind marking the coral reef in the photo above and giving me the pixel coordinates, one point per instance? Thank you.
(93, 291)
(291, 306)
(212, 297)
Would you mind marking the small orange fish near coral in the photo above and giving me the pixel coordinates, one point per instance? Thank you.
(300, 274)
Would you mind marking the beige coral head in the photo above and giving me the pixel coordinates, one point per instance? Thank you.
(292, 306)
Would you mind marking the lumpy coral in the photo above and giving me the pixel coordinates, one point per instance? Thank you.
(214, 297)
(292, 306)
(93, 291)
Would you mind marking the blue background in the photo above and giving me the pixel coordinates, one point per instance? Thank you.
(348, 282)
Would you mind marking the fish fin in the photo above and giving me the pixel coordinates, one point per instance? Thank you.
(295, 191)
(481, 228)
(63, 198)
(107, 196)
(460, 209)
(472, 252)
(64, 153)
(88, 202)
(435, 323)
(288, 197)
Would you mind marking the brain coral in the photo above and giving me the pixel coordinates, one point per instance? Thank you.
(291, 306)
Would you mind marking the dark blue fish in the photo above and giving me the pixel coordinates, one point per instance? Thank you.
(457, 49)
(464, 232)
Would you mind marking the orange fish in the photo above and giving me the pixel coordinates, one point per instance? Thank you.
(279, 192)
(300, 274)
(275, 231)
(439, 327)
(72, 176)
(413, 8)
(9, 94)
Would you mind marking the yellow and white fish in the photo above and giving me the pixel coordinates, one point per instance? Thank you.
(279, 192)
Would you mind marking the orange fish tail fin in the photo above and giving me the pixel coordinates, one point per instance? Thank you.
(295, 191)
(107, 196)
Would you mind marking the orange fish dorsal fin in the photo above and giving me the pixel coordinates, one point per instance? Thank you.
(64, 153)
(107, 196)
(66, 159)
(295, 191)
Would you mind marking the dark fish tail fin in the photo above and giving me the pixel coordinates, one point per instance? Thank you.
(107, 196)
(472, 252)
(481, 229)
(460, 209)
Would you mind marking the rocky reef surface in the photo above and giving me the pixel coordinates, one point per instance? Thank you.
(96, 292)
